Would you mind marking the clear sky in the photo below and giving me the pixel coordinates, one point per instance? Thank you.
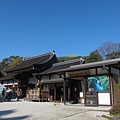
(33, 27)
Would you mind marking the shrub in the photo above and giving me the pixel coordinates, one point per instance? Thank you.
(115, 109)
(118, 85)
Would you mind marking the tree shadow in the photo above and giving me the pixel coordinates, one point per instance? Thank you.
(6, 112)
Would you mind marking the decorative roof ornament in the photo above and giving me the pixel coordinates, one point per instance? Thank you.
(53, 52)
(82, 61)
(23, 59)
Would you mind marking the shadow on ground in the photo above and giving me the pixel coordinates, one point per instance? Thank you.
(6, 112)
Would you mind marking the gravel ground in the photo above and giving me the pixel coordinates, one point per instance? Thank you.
(24, 110)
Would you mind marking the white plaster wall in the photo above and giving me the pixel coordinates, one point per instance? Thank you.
(103, 98)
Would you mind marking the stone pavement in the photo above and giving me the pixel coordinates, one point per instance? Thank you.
(24, 110)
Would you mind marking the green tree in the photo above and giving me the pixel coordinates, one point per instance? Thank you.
(17, 60)
(10, 62)
(93, 57)
(66, 58)
(87, 59)
(4, 63)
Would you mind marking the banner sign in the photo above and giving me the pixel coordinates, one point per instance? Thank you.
(78, 73)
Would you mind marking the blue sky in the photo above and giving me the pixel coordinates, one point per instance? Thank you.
(33, 27)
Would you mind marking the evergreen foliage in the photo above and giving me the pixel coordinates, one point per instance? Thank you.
(93, 57)
(10, 62)
(66, 58)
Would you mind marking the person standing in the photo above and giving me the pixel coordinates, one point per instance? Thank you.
(18, 94)
(9, 94)
(4, 94)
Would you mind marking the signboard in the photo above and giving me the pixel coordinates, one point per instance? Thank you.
(98, 83)
(91, 98)
(78, 73)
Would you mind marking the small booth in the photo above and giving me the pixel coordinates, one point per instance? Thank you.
(98, 82)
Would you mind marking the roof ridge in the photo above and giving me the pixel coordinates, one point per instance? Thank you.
(67, 62)
(30, 58)
(101, 62)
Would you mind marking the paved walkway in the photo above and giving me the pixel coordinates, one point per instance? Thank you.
(24, 110)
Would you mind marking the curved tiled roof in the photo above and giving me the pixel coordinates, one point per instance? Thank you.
(8, 76)
(30, 62)
(75, 65)
(61, 66)
(112, 62)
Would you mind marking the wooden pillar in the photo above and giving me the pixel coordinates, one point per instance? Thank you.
(42, 95)
(55, 93)
(111, 90)
(69, 94)
(64, 90)
(84, 90)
